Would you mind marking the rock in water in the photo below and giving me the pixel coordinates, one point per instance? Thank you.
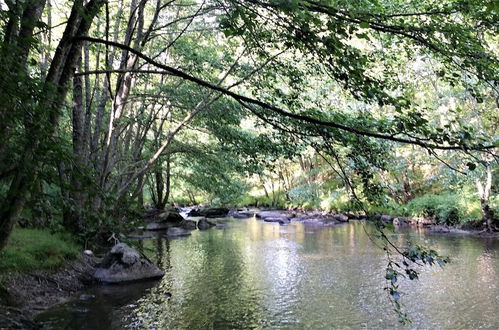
(214, 212)
(188, 224)
(177, 232)
(340, 217)
(204, 224)
(165, 220)
(126, 264)
(170, 216)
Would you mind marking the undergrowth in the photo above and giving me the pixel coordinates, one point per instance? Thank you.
(36, 249)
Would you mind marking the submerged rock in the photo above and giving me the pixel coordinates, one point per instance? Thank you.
(126, 264)
(177, 232)
(204, 224)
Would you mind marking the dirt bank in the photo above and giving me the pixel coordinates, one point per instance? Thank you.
(26, 295)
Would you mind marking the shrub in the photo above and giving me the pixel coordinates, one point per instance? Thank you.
(446, 208)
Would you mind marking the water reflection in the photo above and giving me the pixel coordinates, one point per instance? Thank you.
(259, 275)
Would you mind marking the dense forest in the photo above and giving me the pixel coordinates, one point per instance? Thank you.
(366, 107)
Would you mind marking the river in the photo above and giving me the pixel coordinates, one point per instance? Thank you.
(253, 274)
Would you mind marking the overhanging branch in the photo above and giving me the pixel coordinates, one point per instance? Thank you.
(241, 98)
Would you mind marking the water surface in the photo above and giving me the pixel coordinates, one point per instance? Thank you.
(253, 274)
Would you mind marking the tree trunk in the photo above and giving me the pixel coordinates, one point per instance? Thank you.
(43, 123)
(484, 190)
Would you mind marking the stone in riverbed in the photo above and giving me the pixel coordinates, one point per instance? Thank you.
(204, 224)
(177, 232)
(386, 218)
(165, 220)
(170, 216)
(400, 221)
(126, 264)
(188, 224)
(242, 215)
(214, 212)
(340, 217)
(280, 220)
(157, 226)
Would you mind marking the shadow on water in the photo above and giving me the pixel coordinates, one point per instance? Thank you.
(253, 274)
(96, 308)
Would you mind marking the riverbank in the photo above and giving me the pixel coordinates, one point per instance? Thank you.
(25, 295)
(324, 218)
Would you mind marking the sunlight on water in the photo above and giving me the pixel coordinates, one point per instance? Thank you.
(259, 275)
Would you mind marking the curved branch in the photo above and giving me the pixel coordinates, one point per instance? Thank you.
(241, 98)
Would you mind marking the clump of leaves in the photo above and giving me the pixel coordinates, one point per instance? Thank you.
(413, 256)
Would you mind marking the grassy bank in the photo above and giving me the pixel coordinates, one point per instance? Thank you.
(36, 249)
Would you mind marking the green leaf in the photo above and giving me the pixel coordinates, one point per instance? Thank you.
(364, 25)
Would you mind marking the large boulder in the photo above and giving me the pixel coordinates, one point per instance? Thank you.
(214, 212)
(126, 264)
(177, 232)
(204, 224)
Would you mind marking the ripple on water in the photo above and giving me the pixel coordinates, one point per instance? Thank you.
(260, 275)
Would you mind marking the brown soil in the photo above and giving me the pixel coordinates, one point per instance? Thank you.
(29, 294)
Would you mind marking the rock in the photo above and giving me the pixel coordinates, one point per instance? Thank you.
(86, 296)
(157, 226)
(242, 215)
(126, 264)
(170, 216)
(165, 220)
(280, 220)
(400, 221)
(386, 218)
(425, 222)
(188, 224)
(214, 212)
(204, 224)
(177, 232)
(439, 229)
(273, 214)
(340, 217)
(88, 253)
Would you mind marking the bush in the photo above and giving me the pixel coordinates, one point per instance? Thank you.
(36, 249)
(447, 208)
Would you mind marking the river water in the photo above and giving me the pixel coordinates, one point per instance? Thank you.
(253, 274)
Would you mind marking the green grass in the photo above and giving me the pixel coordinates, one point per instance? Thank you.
(36, 249)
